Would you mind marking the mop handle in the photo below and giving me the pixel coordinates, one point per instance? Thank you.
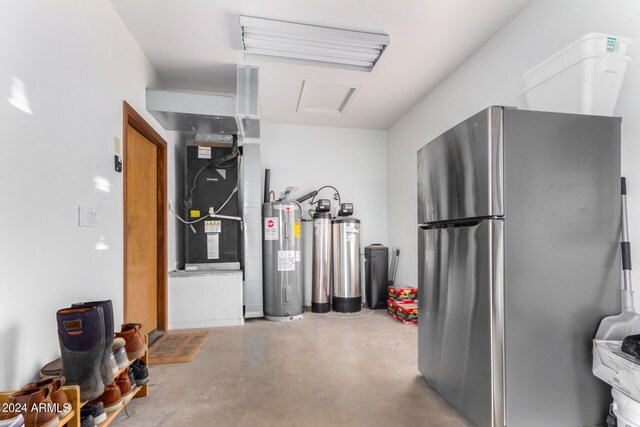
(625, 247)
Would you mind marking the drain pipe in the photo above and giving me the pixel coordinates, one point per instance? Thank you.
(267, 177)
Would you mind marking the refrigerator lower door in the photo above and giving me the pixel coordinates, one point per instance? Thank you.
(460, 323)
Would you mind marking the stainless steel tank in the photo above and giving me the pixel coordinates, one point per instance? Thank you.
(282, 265)
(321, 274)
(307, 260)
(346, 265)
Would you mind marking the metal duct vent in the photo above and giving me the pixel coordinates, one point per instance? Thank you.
(210, 113)
(213, 138)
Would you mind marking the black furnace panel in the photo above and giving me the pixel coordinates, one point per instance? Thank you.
(212, 175)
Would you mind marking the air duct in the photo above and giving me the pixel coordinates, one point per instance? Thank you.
(207, 113)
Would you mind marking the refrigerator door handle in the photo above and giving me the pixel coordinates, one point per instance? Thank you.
(496, 280)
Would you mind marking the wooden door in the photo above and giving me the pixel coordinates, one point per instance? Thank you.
(141, 231)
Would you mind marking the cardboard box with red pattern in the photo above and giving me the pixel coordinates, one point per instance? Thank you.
(407, 313)
(404, 312)
(391, 307)
(402, 294)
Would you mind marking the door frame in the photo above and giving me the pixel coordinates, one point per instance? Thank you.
(135, 120)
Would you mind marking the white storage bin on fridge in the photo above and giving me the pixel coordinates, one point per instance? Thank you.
(584, 77)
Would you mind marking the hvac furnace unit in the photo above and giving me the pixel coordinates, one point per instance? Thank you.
(212, 186)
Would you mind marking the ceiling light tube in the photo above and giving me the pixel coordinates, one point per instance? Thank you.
(256, 32)
(318, 58)
(249, 36)
(310, 50)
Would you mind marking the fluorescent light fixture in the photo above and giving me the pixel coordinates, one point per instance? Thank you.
(310, 44)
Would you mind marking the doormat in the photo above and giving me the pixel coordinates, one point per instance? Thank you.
(176, 347)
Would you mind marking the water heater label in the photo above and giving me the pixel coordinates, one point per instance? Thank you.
(286, 260)
(296, 230)
(213, 246)
(204, 152)
(271, 228)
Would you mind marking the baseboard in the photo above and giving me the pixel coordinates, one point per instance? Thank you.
(213, 323)
(253, 314)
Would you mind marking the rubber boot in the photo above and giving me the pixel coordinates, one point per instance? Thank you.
(81, 338)
(109, 367)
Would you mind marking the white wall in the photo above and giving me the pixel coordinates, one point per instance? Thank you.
(493, 76)
(77, 62)
(352, 160)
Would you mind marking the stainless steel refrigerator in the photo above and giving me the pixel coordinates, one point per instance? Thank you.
(519, 216)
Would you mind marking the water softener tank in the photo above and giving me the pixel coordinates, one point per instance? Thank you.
(346, 262)
(307, 261)
(321, 274)
(282, 261)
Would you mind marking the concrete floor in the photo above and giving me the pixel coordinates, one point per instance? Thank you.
(324, 370)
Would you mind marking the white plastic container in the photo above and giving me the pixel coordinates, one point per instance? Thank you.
(584, 77)
(618, 369)
(626, 410)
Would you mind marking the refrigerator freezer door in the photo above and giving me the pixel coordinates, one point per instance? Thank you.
(460, 322)
(460, 173)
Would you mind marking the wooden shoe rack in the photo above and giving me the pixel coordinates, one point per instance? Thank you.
(73, 394)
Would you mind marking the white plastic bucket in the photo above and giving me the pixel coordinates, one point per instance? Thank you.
(584, 77)
(625, 409)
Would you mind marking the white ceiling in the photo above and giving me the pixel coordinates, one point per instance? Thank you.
(195, 44)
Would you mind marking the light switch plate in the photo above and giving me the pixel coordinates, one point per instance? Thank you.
(88, 216)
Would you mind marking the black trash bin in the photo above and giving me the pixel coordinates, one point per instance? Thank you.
(376, 275)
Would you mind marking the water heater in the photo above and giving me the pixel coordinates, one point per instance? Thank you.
(282, 266)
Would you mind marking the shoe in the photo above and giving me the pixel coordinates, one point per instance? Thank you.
(123, 382)
(108, 362)
(111, 398)
(51, 369)
(121, 358)
(58, 396)
(17, 421)
(132, 379)
(118, 343)
(38, 399)
(140, 372)
(96, 411)
(135, 345)
(81, 338)
(87, 421)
